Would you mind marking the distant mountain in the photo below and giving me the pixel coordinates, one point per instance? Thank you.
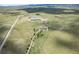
(16, 7)
(57, 5)
(43, 5)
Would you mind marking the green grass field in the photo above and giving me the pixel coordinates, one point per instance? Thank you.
(57, 40)
(62, 36)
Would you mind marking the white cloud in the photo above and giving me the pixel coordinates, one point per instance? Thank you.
(37, 1)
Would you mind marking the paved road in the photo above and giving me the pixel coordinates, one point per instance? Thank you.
(8, 34)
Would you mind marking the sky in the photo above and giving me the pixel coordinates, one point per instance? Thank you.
(25, 1)
(18, 2)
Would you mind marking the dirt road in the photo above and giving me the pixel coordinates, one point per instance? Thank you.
(8, 34)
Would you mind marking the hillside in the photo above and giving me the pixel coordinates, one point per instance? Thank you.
(73, 6)
(39, 30)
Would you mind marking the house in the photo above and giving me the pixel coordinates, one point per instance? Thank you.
(34, 18)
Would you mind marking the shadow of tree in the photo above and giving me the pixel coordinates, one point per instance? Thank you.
(53, 25)
(3, 28)
(74, 45)
(73, 27)
(3, 31)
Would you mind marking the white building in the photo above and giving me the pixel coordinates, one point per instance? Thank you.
(37, 18)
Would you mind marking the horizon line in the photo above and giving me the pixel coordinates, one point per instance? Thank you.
(28, 4)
